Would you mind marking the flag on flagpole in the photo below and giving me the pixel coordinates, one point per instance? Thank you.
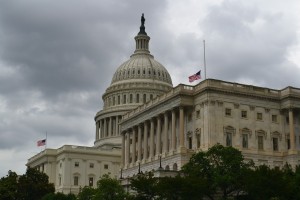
(41, 142)
(194, 77)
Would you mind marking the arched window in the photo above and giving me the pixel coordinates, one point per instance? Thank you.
(167, 168)
(175, 167)
(229, 131)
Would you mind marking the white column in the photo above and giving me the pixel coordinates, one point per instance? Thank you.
(139, 142)
(117, 126)
(109, 127)
(166, 124)
(158, 136)
(173, 130)
(151, 138)
(97, 130)
(145, 140)
(292, 129)
(133, 144)
(181, 126)
(123, 149)
(127, 148)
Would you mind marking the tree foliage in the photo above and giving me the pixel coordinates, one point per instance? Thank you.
(59, 196)
(8, 186)
(109, 189)
(32, 185)
(221, 169)
(86, 193)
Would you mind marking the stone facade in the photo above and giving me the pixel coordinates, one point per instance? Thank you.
(146, 124)
(73, 167)
(261, 122)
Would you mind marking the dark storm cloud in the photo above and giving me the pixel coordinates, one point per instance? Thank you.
(56, 60)
(245, 42)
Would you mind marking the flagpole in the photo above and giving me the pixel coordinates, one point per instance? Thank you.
(46, 141)
(204, 60)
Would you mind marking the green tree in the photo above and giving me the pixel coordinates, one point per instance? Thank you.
(221, 169)
(33, 185)
(59, 196)
(180, 188)
(267, 183)
(145, 186)
(8, 186)
(109, 189)
(86, 193)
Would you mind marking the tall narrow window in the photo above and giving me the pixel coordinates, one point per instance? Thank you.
(260, 141)
(275, 144)
(119, 100)
(245, 141)
(190, 142)
(138, 98)
(151, 96)
(130, 98)
(76, 179)
(124, 99)
(228, 139)
(91, 181)
(144, 98)
(288, 143)
(198, 141)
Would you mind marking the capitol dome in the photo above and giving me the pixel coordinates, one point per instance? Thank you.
(137, 81)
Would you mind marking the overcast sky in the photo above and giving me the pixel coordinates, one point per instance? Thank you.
(58, 57)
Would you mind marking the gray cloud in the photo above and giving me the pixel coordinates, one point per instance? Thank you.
(58, 57)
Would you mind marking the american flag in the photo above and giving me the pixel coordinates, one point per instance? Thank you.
(194, 77)
(41, 142)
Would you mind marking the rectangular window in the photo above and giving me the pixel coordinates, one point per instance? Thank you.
(138, 98)
(275, 144)
(91, 165)
(130, 98)
(144, 98)
(198, 141)
(190, 142)
(119, 100)
(244, 114)
(106, 166)
(288, 143)
(227, 112)
(259, 116)
(76, 178)
(287, 120)
(124, 99)
(198, 114)
(114, 100)
(228, 139)
(189, 117)
(245, 141)
(76, 164)
(91, 181)
(260, 140)
(274, 118)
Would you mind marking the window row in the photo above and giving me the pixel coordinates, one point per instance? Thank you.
(260, 135)
(131, 72)
(91, 165)
(244, 115)
(129, 98)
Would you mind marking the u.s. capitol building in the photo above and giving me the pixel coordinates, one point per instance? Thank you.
(146, 124)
